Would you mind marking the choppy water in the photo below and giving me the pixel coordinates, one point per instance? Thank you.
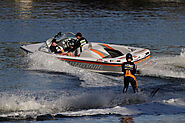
(39, 87)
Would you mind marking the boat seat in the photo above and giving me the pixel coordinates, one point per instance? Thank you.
(94, 52)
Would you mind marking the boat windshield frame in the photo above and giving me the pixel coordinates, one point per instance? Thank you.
(59, 37)
(64, 35)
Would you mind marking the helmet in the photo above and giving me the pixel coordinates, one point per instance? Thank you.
(129, 56)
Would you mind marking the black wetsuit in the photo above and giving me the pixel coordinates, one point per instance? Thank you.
(129, 69)
(55, 49)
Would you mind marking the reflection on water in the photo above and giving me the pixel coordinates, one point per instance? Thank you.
(127, 119)
(24, 8)
(129, 4)
(145, 23)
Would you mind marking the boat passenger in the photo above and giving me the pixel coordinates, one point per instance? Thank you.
(54, 48)
(77, 48)
(129, 69)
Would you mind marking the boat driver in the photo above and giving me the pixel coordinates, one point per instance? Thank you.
(129, 69)
(77, 48)
(54, 48)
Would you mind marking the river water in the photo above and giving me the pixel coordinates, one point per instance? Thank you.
(36, 87)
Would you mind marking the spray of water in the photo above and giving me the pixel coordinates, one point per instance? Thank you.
(171, 66)
(41, 61)
(17, 106)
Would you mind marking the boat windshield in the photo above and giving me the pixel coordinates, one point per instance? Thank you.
(61, 36)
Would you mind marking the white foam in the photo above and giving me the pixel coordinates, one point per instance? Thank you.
(21, 106)
(169, 66)
(152, 108)
(13, 103)
(89, 104)
(176, 102)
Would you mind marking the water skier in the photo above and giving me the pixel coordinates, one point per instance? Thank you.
(129, 69)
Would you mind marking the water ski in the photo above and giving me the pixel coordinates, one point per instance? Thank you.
(152, 94)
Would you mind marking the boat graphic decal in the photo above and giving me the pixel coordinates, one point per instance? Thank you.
(98, 52)
(107, 46)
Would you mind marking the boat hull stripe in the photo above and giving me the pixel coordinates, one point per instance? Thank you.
(99, 63)
(91, 62)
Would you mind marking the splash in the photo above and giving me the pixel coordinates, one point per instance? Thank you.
(182, 54)
(23, 106)
(14, 103)
(46, 62)
(171, 66)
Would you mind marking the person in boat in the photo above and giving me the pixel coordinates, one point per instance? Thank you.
(54, 48)
(129, 69)
(77, 48)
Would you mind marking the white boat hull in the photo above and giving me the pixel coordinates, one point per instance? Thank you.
(97, 56)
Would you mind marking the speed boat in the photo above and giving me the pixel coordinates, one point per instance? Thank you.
(98, 57)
